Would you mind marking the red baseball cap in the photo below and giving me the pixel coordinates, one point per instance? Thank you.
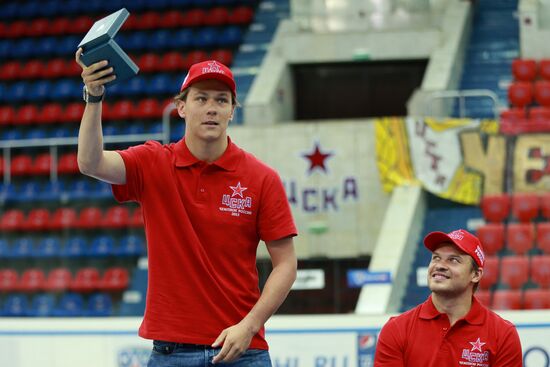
(210, 69)
(463, 239)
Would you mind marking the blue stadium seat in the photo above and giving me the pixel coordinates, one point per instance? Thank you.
(177, 131)
(182, 39)
(160, 40)
(11, 134)
(102, 246)
(74, 7)
(74, 247)
(70, 305)
(162, 84)
(5, 48)
(40, 90)
(134, 128)
(63, 132)
(110, 130)
(15, 305)
(52, 190)
(100, 304)
(23, 48)
(47, 46)
(4, 248)
(230, 36)
(42, 305)
(8, 192)
(202, 3)
(49, 8)
(136, 41)
(22, 247)
(28, 191)
(17, 92)
(136, 86)
(182, 4)
(155, 128)
(67, 45)
(36, 133)
(79, 189)
(48, 247)
(102, 191)
(207, 37)
(2, 90)
(9, 11)
(65, 89)
(131, 245)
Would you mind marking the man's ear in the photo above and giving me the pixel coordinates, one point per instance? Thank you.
(180, 106)
(478, 274)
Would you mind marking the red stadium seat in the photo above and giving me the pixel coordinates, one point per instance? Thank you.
(89, 218)
(543, 237)
(542, 92)
(490, 272)
(520, 237)
(524, 69)
(217, 16)
(122, 110)
(63, 218)
(114, 280)
(525, 206)
(73, 112)
(540, 270)
(72, 69)
(55, 68)
(172, 61)
(26, 114)
(150, 20)
(194, 57)
(149, 62)
(136, 219)
(544, 68)
(16, 29)
(223, 56)
(58, 280)
(68, 164)
(51, 113)
(539, 114)
(38, 27)
(32, 69)
(7, 115)
(8, 280)
(131, 23)
(545, 204)
(42, 164)
(85, 280)
(1, 165)
(505, 299)
(495, 208)
(21, 165)
(148, 108)
(172, 19)
(491, 236)
(10, 70)
(514, 271)
(37, 220)
(241, 15)
(193, 18)
(60, 26)
(520, 94)
(32, 280)
(536, 299)
(81, 24)
(116, 217)
(12, 220)
(484, 296)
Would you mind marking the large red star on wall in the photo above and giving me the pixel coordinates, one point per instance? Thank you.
(317, 158)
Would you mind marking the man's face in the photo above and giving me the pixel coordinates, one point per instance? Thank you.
(207, 110)
(450, 272)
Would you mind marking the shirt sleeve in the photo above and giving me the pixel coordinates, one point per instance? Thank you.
(134, 158)
(509, 352)
(275, 217)
(390, 347)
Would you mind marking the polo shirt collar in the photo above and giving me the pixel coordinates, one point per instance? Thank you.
(228, 161)
(476, 315)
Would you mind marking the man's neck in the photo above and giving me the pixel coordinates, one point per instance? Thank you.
(207, 151)
(455, 307)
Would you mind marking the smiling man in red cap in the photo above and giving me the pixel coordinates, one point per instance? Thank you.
(206, 205)
(451, 328)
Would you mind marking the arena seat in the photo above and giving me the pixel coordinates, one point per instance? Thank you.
(122, 110)
(32, 280)
(68, 164)
(536, 299)
(101, 246)
(216, 16)
(85, 280)
(80, 24)
(12, 220)
(89, 218)
(539, 115)
(206, 37)
(27, 192)
(540, 270)
(50, 113)
(171, 19)
(38, 27)
(37, 220)
(490, 272)
(160, 40)
(9, 278)
(223, 56)
(42, 305)
(22, 247)
(130, 246)
(149, 62)
(520, 237)
(148, 108)
(48, 247)
(241, 15)
(491, 236)
(116, 217)
(484, 296)
(114, 279)
(194, 57)
(58, 280)
(543, 237)
(136, 219)
(74, 247)
(544, 68)
(182, 39)
(193, 18)
(149, 20)
(99, 304)
(7, 115)
(542, 92)
(520, 94)
(505, 299)
(26, 115)
(63, 218)
(70, 305)
(73, 112)
(495, 208)
(41, 164)
(32, 69)
(10, 70)
(15, 305)
(514, 271)
(172, 61)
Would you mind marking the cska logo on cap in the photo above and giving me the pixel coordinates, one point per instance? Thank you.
(213, 67)
(457, 235)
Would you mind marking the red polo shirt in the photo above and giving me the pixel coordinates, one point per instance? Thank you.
(203, 223)
(423, 337)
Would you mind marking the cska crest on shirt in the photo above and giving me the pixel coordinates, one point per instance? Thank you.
(475, 356)
(236, 203)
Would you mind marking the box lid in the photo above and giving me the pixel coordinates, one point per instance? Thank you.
(104, 29)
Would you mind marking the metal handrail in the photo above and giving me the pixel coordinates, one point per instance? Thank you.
(461, 95)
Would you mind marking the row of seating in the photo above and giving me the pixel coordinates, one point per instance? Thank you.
(524, 94)
(51, 247)
(515, 299)
(26, 165)
(52, 8)
(171, 61)
(45, 305)
(41, 219)
(525, 207)
(527, 70)
(85, 280)
(151, 20)
(63, 191)
(516, 271)
(518, 238)
(136, 41)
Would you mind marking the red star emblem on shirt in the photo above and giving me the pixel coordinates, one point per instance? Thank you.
(238, 190)
(477, 345)
(317, 158)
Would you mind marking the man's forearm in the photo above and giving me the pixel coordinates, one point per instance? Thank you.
(90, 138)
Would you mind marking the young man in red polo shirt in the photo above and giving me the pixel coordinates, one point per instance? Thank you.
(451, 328)
(206, 205)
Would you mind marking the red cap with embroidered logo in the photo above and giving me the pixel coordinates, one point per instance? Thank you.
(463, 239)
(210, 69)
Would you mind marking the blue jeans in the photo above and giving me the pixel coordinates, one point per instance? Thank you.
(168, 354)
